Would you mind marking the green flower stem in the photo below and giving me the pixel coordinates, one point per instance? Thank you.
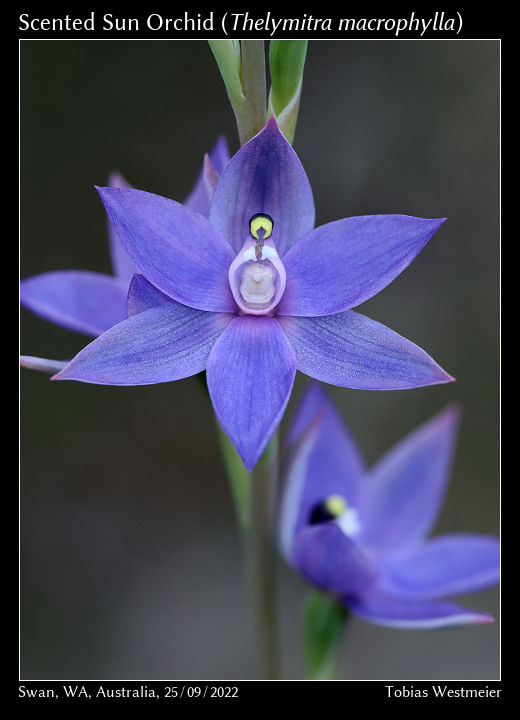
(251, 115)
(254, 497)
(323, 624)
(261, 562)
(239, 479)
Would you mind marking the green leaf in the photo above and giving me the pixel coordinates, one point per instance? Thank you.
(323, 623)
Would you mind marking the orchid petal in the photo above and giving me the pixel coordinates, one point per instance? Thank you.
(295, 480)
(86, 302)
(400, 613)
(327, 452)
(447, 565)
(198, 200)
(405, 490)
(265, 176)
(42, 364)
(174, 247)
(331, 560)
(123, 267)
(210, 177)
(340, 265)
(167, 342)
(142, 295)
(250, 374)
(219, 154)
(351, 350)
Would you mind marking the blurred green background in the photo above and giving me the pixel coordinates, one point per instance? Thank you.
(131, 564)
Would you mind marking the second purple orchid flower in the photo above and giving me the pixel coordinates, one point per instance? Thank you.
(253, 292)
(361, 536)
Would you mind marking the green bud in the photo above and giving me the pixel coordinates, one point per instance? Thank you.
(227, 55)
(286, 63)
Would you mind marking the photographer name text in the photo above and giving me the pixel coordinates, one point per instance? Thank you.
(441, 691)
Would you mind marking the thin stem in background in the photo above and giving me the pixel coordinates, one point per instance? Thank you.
(261, 562)
(254, 498)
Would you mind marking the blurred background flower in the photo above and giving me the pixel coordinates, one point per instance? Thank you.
(130, 562)
(361, 535)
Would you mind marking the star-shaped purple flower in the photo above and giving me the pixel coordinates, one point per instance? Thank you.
(254, 292)
(361, 535)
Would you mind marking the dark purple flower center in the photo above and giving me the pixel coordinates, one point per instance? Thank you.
(330, 509)
(335, 508)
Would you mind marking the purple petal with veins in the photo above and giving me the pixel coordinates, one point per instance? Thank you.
(199, 198)
(123, 266)
(331, 560)
(86, 302)
(342, 264)
(175, 248)
(408, 484)
(351, 350)
(210, 177)
(265, 176)
(167, 342)
(446, 565)
(425, 615)
(142, 295)
(250, 375)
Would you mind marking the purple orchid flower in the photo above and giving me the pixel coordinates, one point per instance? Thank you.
(253, 292)
(360, 536)
(91, 303)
